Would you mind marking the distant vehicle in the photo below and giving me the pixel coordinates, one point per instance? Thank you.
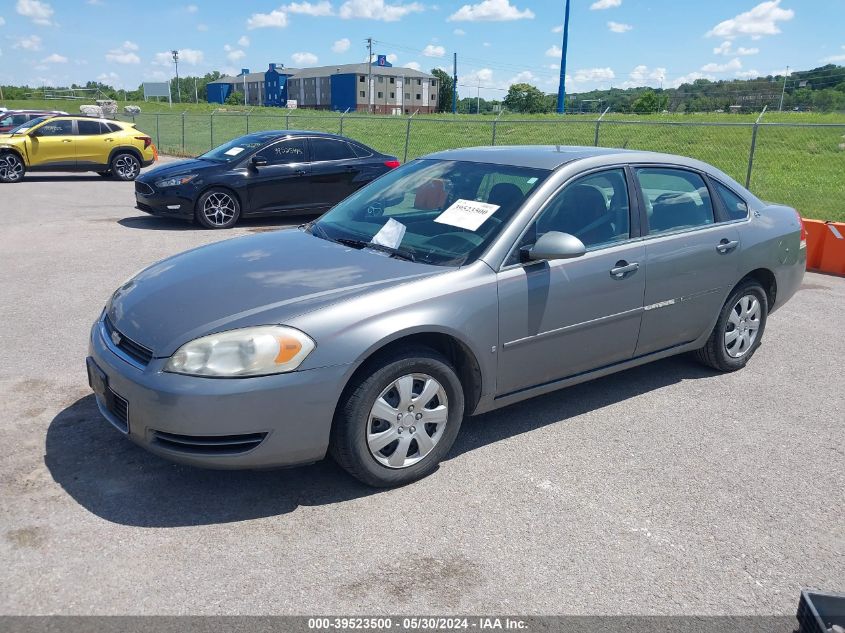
(13, 118)
(75, 143)
(265, 173)
(460, 283)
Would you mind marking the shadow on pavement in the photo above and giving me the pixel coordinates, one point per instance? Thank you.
(253, 225)
(120, 482)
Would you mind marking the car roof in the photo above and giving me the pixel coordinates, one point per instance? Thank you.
(271, 135)
(536, 156)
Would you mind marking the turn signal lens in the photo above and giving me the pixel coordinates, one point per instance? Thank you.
(289, 347)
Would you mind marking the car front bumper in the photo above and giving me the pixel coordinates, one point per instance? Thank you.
(261, 422)
(175, 203)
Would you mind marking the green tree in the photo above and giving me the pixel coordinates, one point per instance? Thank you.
(525, 98)
(235, 98)
(444, 91)
(650, 102)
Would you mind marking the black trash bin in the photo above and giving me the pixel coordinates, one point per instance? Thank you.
(818, 611)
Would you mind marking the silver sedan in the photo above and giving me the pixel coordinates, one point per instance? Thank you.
(459, 283)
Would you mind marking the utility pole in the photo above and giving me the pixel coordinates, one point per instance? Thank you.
(455, 84)
(478, 98)
(196, 92)
(783, 90)
(175, 54)
(370, 75)
(561, 91)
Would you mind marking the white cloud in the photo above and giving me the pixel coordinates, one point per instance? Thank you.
(202, 27)
(459, 32)
(487, 44)
(688, 79)
(554, 51)
(55, 58)
(605, 4)
(307, 8)
(2, 21)
(29, 43)
(304, 59)
(723, 49)
(747, 74)
(233, 54)
(341, 45)
(558, 29)
(378, 10)
(392, 58)
(619, 27)
(643, 75)
(781, 73)
(833, 59)
(124, 54)
(490, 11)
(108, 78)
(759, 21)
(243, 41)
(187, 56)
(594, 74)
(413, 65)
(192, 8)
(434, 51)
(37, 11)
(275, 19)
(713, 67)
(726, 48)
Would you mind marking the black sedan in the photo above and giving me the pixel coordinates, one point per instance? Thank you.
(265, 173)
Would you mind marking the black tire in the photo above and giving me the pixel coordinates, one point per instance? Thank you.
(228, 204)
(104, 174)
(715, 352)
(12, 168)
(125, 166)
(348, 445)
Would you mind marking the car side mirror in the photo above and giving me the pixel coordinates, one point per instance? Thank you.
(257, 161)
(556, 245)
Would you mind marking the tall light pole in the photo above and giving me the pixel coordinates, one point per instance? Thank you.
(783, 90)
(561, 91)
(175, 54)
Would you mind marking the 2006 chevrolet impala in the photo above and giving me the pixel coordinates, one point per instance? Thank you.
(462, 282)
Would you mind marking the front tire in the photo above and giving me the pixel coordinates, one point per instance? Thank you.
(395, 424)
(125, 166)
(218, 208)
(12, 168)
(739, 329)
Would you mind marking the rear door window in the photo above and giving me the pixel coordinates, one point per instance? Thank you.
(323, 149)
(284, 152)
(675, 199)
(735, 207)
(88, 128)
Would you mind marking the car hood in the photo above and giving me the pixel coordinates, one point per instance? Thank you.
(257, 280)
(176, 168)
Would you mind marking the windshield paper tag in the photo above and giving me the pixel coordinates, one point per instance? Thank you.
(467, 214)
(234, 151)
(390, 235)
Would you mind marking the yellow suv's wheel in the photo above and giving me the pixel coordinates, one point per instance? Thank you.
(125, 166)
(12, 168)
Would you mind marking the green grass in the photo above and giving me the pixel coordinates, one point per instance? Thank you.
(803, 167)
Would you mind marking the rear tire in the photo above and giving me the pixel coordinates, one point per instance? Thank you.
(125, 166)
(12, 168)
(218, 208)
(739, 329)
(419, 391)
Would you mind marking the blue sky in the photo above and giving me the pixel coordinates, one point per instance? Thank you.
(498, 42)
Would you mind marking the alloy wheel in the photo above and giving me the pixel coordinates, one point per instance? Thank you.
(126, 167)
(742, 326)
(407, 420)
(219, 208)
(11, 168)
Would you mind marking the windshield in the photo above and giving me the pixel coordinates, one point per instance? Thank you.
(440, 212)
(235, 149)
(23, 127)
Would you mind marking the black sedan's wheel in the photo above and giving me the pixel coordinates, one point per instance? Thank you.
(739, 330)
(12, 168)
(218, 208)
(395, 424)
(125, 166)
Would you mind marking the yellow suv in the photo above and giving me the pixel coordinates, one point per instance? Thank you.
(75, 143)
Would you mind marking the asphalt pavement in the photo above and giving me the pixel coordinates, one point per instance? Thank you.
(666, 489)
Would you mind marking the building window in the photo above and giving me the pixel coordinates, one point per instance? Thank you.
(433, 83)
(393, 80)
(381, 79)
(419, 82)
(408, 95)
(362, 79)
(392, 95)
(380, 95)
(419, 96)
(362, 94)
(432, 97)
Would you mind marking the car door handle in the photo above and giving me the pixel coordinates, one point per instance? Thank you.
(109, 140)
(65, 140)
(300, 172)
(726, 246)
(622, 268)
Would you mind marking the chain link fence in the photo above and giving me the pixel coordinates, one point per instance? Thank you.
(799, 164)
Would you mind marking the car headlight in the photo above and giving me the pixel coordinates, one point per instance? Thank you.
(252, 351)
(175, 181)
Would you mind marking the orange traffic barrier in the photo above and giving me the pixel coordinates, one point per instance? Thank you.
(833, 251)
(816, 231)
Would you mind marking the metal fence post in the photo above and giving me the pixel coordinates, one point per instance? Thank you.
(408, 136)
(495, 121)
(342, 114)
(598, 124)
(212, 130)
(158, 136)
(287, 121)
(183, 132)
(247, 122)
(753, 147)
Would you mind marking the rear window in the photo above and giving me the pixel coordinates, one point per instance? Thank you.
(736, 207)
(361, 151)
(88, 128)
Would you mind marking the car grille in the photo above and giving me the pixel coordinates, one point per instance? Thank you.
(143, 188)
(208, 444)
(133, 350)
(119, 409)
